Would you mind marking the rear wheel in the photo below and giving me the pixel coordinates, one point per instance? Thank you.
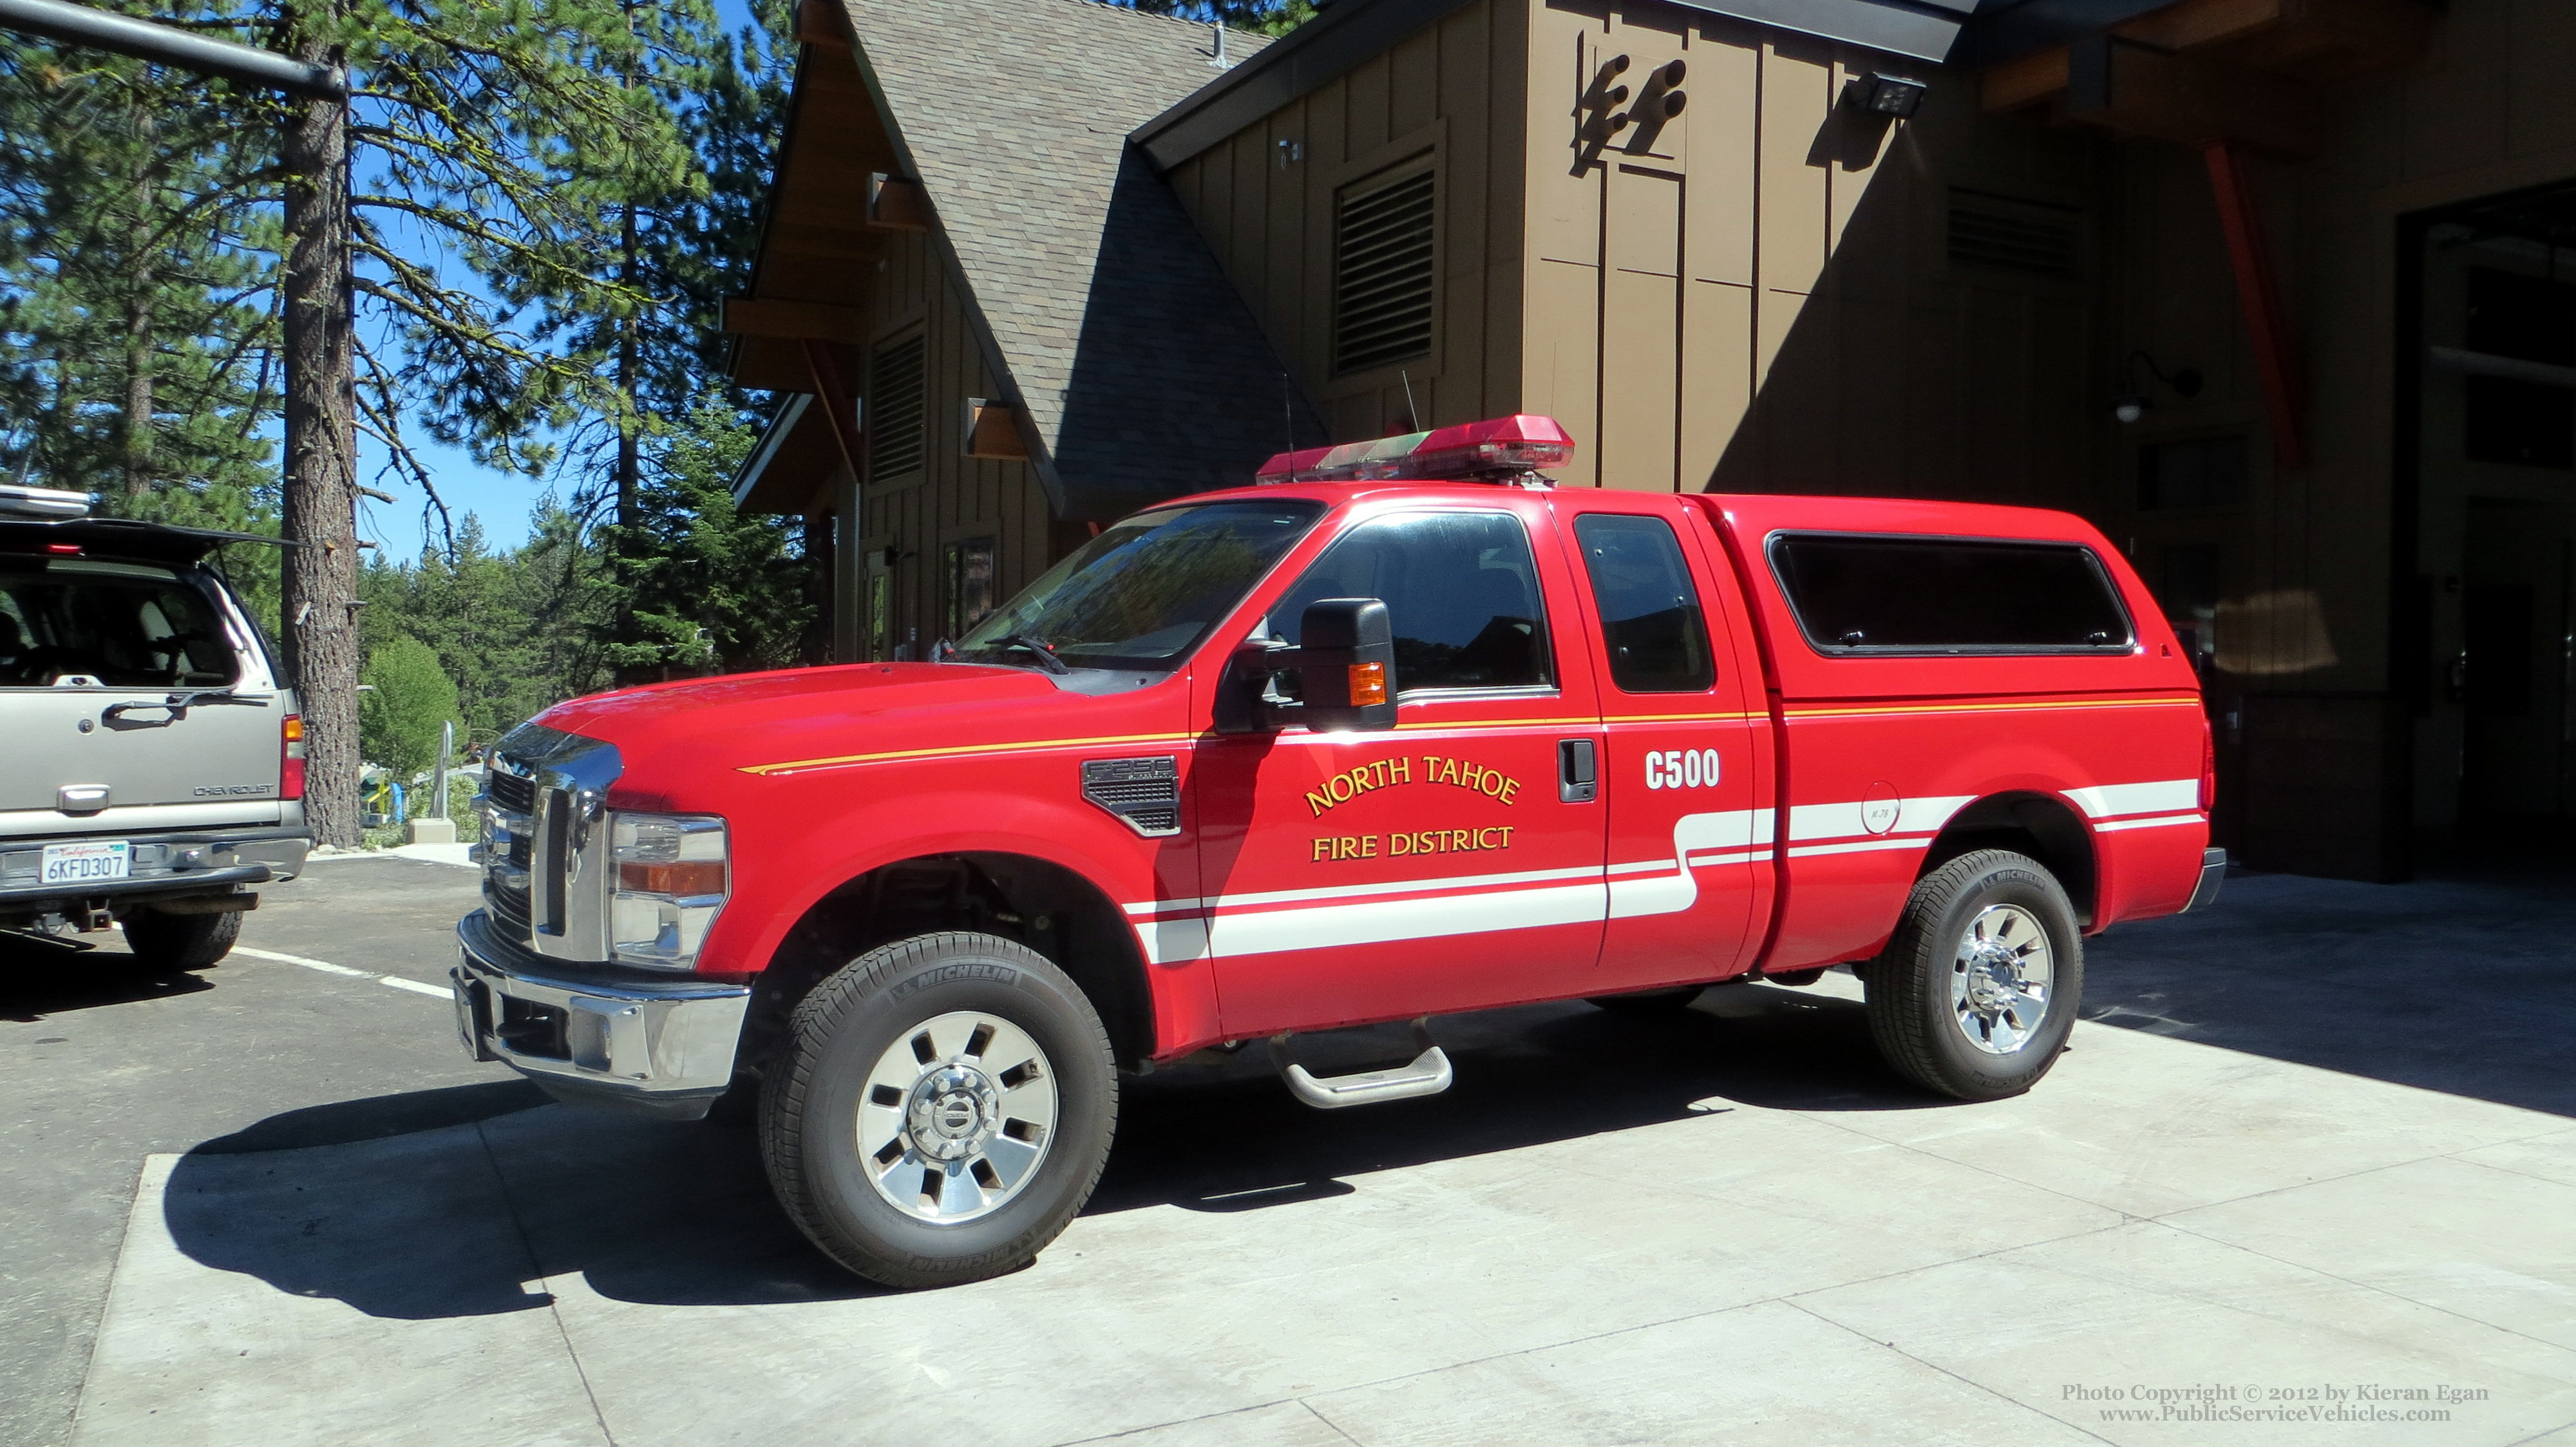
(943, 1108)
(180, 941)
(1977, 990)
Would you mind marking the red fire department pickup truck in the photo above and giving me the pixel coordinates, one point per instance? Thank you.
(1397, 732)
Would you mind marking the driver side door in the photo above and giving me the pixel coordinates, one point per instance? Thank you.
(1452, 863)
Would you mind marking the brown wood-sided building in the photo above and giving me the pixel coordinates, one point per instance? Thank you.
(2270, 290)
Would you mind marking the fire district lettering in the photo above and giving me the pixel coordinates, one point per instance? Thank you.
(1330, 847)
(1466, 774)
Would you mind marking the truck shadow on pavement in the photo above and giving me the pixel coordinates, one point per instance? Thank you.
(40, 976)
(2462, 982)
(471, 1200)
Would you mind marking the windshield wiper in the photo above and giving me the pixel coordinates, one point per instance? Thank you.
(1029, 643)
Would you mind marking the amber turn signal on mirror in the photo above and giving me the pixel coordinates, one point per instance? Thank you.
(1368, 684)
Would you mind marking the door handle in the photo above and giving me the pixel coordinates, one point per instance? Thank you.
(1577, 780)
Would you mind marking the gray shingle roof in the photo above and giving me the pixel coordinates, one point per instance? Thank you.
(1138, 361)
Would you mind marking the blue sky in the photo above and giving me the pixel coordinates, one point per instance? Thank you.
(503, 502)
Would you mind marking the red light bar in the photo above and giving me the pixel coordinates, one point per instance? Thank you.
(1502, 447)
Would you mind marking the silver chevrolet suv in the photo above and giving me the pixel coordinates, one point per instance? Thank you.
(153, 769)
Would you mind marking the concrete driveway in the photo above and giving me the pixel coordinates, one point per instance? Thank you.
(2310, 1176)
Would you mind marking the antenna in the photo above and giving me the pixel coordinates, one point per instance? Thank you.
(1412, 413)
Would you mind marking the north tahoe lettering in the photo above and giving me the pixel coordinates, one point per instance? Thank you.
(1465, 774)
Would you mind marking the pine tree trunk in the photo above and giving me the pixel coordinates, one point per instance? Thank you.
(138, 344)
(630, 460)
(320, 592)
(138, 385)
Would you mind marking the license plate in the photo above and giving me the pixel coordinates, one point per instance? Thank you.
(87, 863)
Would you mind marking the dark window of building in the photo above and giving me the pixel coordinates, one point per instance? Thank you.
(2529, 317)
(2199, 472)
(2187, 578)
(2496, 628)
(967, 573)
(2187, 584)
(1384, 272)
(2007, 233)
(1864, 595)
(879, 623)
(2529, 424)
(1459, 588)
(895, 408)
(1650, 614)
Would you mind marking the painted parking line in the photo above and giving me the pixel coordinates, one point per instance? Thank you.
(438, 992)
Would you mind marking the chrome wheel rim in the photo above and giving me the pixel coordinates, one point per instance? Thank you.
(2000, 979)
(956, 1117)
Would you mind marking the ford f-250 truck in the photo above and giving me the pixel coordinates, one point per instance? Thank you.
(1397, 732)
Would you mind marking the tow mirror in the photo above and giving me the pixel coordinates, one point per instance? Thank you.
(1346, 663)
(1345, 674)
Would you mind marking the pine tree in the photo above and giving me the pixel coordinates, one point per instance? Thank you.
(137, 340)
(1262, 17)
(710, 590)
(511, 238)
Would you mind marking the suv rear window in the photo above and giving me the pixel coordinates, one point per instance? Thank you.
(1856, 594)
(126, 625)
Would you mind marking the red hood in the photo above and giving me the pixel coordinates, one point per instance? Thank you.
(669, 736)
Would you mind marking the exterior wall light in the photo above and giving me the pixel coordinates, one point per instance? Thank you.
(2135, 403)
(1892, 95)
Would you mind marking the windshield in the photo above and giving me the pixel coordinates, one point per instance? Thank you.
(1145, 591)
(123, 624)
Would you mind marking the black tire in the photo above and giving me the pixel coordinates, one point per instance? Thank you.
(180, 941)
(810, 1101)
(1909, 986)
(1647, 1004)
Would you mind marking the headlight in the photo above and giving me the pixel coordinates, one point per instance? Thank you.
(669, 880)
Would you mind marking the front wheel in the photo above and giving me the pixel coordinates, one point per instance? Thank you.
(1977, 989)
(944, 1107)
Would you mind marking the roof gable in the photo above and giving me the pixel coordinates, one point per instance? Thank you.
(1142, 369)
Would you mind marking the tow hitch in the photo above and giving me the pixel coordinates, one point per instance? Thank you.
(1427, 1074)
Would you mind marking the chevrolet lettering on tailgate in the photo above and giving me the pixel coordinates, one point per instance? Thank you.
(1398, 731)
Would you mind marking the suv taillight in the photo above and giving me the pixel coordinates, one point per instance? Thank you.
(2208, 766)
(290, 757)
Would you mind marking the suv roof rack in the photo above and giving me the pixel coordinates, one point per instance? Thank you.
(51, 503)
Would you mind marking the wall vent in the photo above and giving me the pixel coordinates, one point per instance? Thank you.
(2007, 233)
(1384, 272)
(895, 409)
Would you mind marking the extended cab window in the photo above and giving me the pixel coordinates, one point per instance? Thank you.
(1890, 594)
(124, 624)
(1650, 615)
(1460, 589)
(1144, 592)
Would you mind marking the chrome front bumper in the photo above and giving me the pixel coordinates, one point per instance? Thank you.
(664, 1049)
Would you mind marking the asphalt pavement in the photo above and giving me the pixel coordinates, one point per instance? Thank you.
(2313, 1157)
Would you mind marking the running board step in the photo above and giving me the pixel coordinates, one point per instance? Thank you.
(1428, 1074)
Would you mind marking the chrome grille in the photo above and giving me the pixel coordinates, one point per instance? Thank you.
(512, 792)
(544, 852)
